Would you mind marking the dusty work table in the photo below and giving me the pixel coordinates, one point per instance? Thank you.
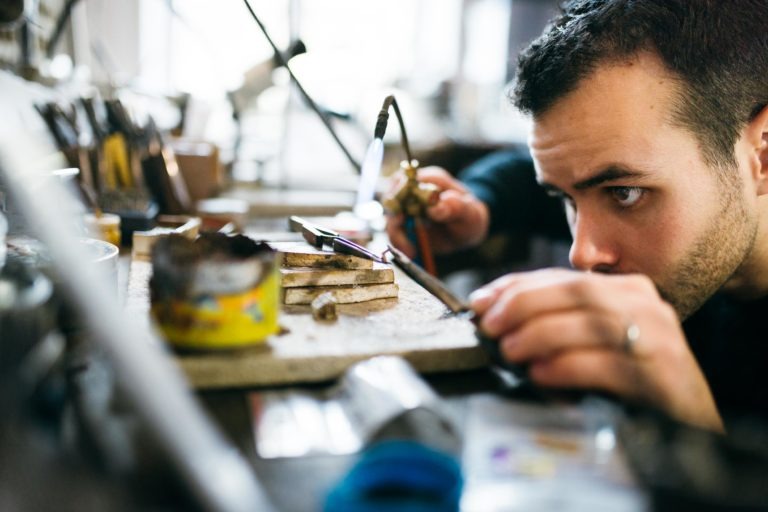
(415, 326)
(560, 438)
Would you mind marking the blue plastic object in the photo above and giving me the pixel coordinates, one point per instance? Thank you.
(402, 476)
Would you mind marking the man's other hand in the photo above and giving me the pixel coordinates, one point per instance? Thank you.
(593, 331)
(457, 221)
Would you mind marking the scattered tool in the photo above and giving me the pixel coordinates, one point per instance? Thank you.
(323, 115)
(413, 197)
(319, 237)
(515, 374)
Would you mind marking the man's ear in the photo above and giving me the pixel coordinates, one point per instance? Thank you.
(757, 138)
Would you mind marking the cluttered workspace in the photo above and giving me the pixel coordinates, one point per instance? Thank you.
(200, 308)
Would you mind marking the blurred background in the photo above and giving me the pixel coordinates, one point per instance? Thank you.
(171, 115)
(207, 73)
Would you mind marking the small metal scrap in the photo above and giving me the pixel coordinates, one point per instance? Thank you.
(324, 308)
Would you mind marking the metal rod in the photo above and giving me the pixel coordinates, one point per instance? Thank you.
(429, 282)
(309, 100)
(381, 124)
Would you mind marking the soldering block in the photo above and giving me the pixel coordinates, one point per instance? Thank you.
(304, 276)
(342, 294)
(315, 258)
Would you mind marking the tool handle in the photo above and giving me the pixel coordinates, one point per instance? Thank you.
(425, 248)
(416, 232)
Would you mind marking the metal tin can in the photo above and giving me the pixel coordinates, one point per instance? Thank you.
(217, 292)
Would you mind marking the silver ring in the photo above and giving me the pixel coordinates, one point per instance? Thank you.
(631, 335)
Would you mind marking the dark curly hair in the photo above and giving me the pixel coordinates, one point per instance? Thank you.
(717, 50)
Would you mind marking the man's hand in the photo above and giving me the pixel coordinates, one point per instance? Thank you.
(602, 332)
(458, 220)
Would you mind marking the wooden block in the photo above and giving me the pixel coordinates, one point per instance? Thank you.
(294, 277)
(342, 294)
(322, 259)
(301, 254)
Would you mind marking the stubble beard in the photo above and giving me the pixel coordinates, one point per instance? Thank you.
(716, 255)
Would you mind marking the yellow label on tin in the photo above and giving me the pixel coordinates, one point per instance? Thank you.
(222, 321)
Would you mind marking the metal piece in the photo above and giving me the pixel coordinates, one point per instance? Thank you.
(215, 472)
(631, 335)
(412, 199)
(318, 237)
(312, 236)
(324, 308)
(342, 420)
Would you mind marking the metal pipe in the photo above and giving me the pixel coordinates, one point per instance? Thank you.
(214, 471)
(281, 60)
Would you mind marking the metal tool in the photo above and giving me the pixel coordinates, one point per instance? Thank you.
(216, 473)
(512, 374)
(318, 237)
(320, 113)
(412, 197)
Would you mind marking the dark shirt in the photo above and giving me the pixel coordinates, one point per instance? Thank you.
(506, 182)
(728, 338)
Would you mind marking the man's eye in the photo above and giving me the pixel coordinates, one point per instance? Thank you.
(626, 196)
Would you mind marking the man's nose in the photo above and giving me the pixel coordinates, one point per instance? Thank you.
(593, 247)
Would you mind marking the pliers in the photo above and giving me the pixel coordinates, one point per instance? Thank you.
(319, 237)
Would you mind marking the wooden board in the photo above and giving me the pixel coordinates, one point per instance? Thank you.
(302, 276)
(342, 294)
(415, 326)
(301, 254)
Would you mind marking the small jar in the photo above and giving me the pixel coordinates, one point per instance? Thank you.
(105, 226)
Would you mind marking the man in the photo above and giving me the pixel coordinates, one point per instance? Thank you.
(650, 123)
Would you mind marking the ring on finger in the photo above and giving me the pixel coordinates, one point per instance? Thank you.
(631, 335)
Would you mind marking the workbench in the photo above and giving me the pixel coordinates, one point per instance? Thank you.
(552, 458)
(415, 326)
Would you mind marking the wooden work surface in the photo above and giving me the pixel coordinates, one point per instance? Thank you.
(415, 326)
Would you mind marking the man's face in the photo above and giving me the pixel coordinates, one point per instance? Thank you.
(639, 195)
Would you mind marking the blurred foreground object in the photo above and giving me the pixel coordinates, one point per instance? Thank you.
(685, 468)
(214, 473)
